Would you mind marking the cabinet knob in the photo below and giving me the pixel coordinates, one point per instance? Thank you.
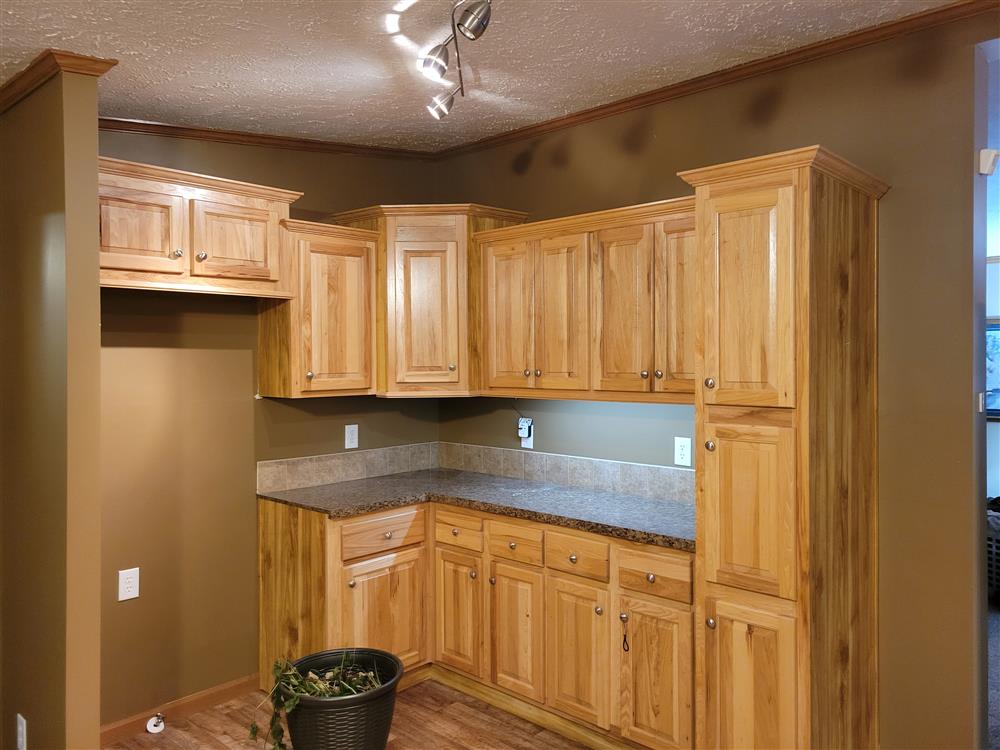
(623, 617)
(527, 373)
(512, 545)
(388, 535)
(493, 580)
(352, 583)
(644, 374)
(658, 373)
(710, 445)
(451, 367)
(538, 373)
(710, 383)
(598, 610)
(310, 375)
(650, 578)
(178, 253)
(454, 532)
(473, 575)
(572, 559)
(202, 255)
(710, 622)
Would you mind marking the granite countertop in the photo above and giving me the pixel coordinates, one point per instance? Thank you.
(662, 522)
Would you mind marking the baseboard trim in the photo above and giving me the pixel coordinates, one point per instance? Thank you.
(178, 709)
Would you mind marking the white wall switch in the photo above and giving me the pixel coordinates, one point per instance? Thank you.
(350, 436)
(128, 584)
(22, 733)
(682, 451)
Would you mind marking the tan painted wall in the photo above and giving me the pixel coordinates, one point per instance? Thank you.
(904, 110)
(50, 390)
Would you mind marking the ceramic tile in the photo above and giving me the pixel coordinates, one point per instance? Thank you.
(555, 468)
(472, 458)
(580, 472)
(351, 465)
(512, 464)
(397, 459)
(419, 456)
(272, 475)
(534, 466)
(607, 475)
(451, 455)
(633, 480)
(493, 461)
(434, 459)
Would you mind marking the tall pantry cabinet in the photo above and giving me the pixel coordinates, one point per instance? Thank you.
(785, 404)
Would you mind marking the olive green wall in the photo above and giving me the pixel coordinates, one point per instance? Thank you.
(903, 109)
(49, 315)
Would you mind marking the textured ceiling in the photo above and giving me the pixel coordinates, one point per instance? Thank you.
(332, 69)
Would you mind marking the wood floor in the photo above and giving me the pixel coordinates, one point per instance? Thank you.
(429, 716)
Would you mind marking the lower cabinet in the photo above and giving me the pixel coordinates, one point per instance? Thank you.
(656, 680)
(517, 637)
(380, 597)
(459, 610)
(578, 649)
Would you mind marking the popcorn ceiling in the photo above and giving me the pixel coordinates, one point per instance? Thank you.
(330, 70)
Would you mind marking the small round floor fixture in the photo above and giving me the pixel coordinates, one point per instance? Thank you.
(471, 24)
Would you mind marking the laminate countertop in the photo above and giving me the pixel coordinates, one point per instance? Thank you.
(663, 522)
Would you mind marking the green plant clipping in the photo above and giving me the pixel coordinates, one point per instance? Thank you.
(341, 681)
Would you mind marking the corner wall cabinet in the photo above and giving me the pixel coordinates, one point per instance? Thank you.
(427, 294)
(785, 411)
(178, 231)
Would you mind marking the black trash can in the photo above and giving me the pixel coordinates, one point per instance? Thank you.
(355, 722)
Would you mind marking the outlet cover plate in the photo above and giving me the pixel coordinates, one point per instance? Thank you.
(682, 451)
(22, 733)
(350, 436)
(128, 584)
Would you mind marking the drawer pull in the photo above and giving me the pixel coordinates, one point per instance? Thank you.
(710, 445)
(473, 574)
(351, 583)
(599, 610)
(388, 535)
(658, 373)
(644, 374)
(710, 383)
(623, 617)
(493, 580)
(573, 559)
(711, 623)
(202, 255)
(650, 578)
(454, 532)
(527, 373)
(178, 253)
(512, 545)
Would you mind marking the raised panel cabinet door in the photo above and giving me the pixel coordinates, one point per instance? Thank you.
(656, 674)
(426, 305)
(677, 315)
(562, 313)
(507, 315)
(748, 246)
(578, 649)
(518, 623)
(336, 302)
(382, 604)
(142, 231)
(750, 682)
(233, 242)
(460, 610)
(622, 305)
(750, 518)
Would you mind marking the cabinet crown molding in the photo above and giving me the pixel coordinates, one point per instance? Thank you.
(46, 65)
(428, 209)
(810, 156)
(333, 230)
(124, 168)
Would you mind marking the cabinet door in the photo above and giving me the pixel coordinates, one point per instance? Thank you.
(383, 605)
(750, 519)
(623, 309)
(233, 242)
(676, 307)
(460, 609)
(336, 299)
(578, 649)
(562, 309)
(749, 297)
(656, 682)
(142, 231)
(507, 315)
(518, 628)
(750, 688)
(426, 312)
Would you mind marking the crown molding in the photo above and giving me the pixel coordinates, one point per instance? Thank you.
(328, 230)
(46, 65)
(428, 209)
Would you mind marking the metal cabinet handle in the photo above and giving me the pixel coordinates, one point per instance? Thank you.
(650, 578)
(644, 374)
(538, 373)
(599, 610)
(473, 574)
(572, 559)
(658, 373)
(178, 253)
(623, 617)
(711, 623)
(512, 545)
(451, 367)
(388, 535)
(454, 532)
(202, 255)
(310, 375)
(493, 580)
(527, 373)
(710, 445)
(710, 383)
(351, 583)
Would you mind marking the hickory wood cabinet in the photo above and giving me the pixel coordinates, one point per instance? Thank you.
(537, 614)
(597, 306)
(786, 590)
(167, 229)
(427, 319)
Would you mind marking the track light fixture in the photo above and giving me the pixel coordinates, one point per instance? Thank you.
(471, 24)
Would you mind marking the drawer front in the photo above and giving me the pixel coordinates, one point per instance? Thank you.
(661, 574)
(382, 533)
(513, 542)
(459, 530)
(573, 554)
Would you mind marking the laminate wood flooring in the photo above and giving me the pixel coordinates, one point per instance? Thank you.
(429, 716)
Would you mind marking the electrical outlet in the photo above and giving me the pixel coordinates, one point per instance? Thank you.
(682, 451)
(526, 431)
(350, 436)
(128, 584)
(22, 733)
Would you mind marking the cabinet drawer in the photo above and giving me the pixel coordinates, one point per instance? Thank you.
(661, 574)
(459, 530)
(573, 554)
(512, 542)
(381, 533)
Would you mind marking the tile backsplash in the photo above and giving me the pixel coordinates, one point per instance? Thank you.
(667, 482)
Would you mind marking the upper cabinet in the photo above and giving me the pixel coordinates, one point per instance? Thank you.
(166, 229)
(428, 311)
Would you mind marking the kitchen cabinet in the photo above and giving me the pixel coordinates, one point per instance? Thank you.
(508, 314)
(676, 280)
(460, 609)
(322, 342)
(168, 229)
(517, 636)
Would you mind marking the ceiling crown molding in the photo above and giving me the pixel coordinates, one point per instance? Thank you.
(48, 64)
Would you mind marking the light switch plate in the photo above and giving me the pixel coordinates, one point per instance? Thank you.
(682, 451)
(350, 436)
(22, 733)
(128, 584)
